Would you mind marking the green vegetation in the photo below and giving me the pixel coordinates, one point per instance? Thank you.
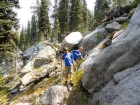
(101, 6)
(99, 36)
(125, 24)
(97, 102)
(56, 45)
(78, 96)
(135, 3)
(79, 62)
(9, 37)
(37, 88)
(3, 91)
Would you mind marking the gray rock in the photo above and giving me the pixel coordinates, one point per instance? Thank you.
(115, 26)
(122, 54)
(41, 61)
(71, 41)
(126, 92)
(55, 95)
(93, 39)
(29, 52)
(121, 19)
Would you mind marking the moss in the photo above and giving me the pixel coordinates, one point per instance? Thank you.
(56, 45)
(97, 88)
(122, 69)
(78, 96)
(3, 95)
(97, 102)
(79, 62)
(125, 24)
(99, 36)
(37, 88)
(1, 78)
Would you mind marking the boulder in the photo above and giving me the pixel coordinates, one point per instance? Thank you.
(71, 41)
(41, 61)
(91, 40)
(28, 53)
(122, 54)
(123, 91)
(55, 95)
(121, 19)
(115, 26)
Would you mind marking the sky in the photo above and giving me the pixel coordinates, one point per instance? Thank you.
(24, 14)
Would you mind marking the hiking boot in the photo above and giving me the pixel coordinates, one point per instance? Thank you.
(71, 83)
(66, 83)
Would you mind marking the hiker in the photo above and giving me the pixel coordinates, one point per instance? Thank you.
(69, 62)
(77, 54)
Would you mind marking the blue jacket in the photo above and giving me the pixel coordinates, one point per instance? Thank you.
(68, 59)
(76, 54)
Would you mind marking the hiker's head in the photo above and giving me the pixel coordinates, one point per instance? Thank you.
(65, 49)
(81, 49)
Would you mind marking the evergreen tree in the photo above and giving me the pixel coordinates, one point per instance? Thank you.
(100, 7)
(63, 16)
(97, 6)
(43, 19)
(85, 16)
(8, 23)
(56, 29)
(76, 16)
(28, 35)
(35, 9)
(21, 37)
(33, 30)
(90, 21)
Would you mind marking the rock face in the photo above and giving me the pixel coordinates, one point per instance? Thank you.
(71, 41)
(115, 26)
(123, 54)
(55, 95)
(123, 90)
(42, 64)
(91, 40)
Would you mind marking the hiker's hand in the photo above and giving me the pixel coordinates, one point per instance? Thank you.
(74, 63)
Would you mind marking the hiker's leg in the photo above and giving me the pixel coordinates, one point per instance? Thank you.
(71, 74)
(66, 73)
(75, 66)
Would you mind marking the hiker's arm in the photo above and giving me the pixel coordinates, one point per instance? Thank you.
(74, 63)
(83, 58)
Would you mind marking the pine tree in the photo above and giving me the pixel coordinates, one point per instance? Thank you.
(35, 9)
(8, 23)
(100, 7)
(21, 38)
(76, 16)
(63, 16)
(43, 19)
(33, 37)
(28, 35)
(85, 16)
(56, 30)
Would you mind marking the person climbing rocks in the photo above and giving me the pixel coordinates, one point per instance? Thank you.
(69, 62)
(77, 54)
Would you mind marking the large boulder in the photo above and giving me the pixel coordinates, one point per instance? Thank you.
(115, 26)
(28, 53)
(45, 56)
(71, 41)
(55, 95)
(123, 89)
(122, 54)
(91, 40)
